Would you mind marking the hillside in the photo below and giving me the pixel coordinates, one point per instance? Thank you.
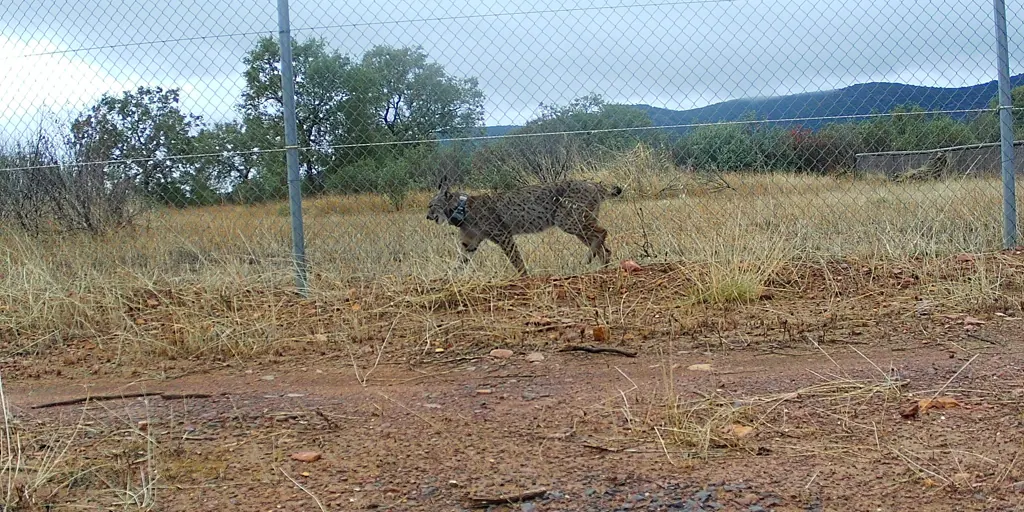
(856, 99)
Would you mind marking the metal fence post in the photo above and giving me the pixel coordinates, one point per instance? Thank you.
(1005, 129)
(291, 146)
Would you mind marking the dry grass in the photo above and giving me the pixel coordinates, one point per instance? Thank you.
(36, 462)
(712, 424)
(215, 281)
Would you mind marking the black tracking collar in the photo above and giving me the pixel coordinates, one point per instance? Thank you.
(459, 213)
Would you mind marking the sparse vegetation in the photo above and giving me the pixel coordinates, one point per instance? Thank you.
(139, 241)
(211, 268)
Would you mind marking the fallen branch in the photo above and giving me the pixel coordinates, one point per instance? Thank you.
(94, 398)
(480, 502)
(183, 396)
(101, 398)
(597, 350)
(601, 448)
(983, 339)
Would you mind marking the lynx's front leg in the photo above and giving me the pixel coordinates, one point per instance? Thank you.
(469, 242)
(508, 245)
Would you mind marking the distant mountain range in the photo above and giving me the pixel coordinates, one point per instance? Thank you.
(859, 99)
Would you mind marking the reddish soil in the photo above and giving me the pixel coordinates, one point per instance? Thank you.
(832, 425)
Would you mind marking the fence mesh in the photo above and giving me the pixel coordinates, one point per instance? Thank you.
(147, 138)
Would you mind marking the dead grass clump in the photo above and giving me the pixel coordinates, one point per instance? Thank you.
(700, 427)
(737, 269)
(455, 294)
(975, 282)
(35, 462)
(714, 424)
(643, 172)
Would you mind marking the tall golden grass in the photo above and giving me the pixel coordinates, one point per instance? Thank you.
(57, 287)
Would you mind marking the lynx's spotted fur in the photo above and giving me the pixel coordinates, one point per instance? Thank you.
(571, 206)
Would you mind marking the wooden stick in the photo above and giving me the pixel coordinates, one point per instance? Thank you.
(93, 398)
(597, 350)
(480, 502)
(100, 398)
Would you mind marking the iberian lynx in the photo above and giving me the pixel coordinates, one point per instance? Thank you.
(571, 206)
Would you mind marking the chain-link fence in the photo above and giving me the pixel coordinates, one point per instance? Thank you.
(148, 137)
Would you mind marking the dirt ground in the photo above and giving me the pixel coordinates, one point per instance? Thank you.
(742, 417)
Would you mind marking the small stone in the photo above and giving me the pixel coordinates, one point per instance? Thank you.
(143, 426)
(702, 367)
(484, 391)
(962, 480)
(501, 353)
(924, 307)
(534, 357)
(306, 456)
(267, 377)
(528, 507)
(629, 266)
(747, 500)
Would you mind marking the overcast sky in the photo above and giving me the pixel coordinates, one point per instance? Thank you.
(61, 55)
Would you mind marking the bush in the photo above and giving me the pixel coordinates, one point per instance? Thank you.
(831, 149)
(522, 160)
(717, 147)
(429, 166)
(391, 178)
(40, 193)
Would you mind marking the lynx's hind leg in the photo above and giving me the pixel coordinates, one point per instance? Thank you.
(588, 231)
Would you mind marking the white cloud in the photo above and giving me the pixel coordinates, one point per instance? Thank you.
(45, 84)
(674, 56)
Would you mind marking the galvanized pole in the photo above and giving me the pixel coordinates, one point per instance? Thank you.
(291, 146)
(1005, 129)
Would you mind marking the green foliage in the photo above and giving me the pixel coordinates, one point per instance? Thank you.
(143, 130)
(394, 178)
(986, 125)
(323, 84)
(413, 99)
(718, 147)
(758, 147)
(604, 126)
(345, 109)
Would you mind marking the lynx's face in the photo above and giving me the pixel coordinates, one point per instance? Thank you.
(438, 205)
